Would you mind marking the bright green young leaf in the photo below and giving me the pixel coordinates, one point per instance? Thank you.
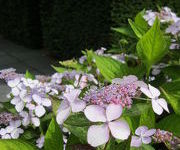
(111, 68)
(53, 137)
(170, 123)
(152, 46)
(29, 75)
(171, 91)
(147, 118)
(16, 145)
(125, 31)
(61, 69)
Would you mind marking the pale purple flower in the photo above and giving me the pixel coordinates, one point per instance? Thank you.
(40, 142)
(15, 86)
(70, 103)
(158, 104)
(143, 135)
(99, 134)
(150, 16)
(174, 29)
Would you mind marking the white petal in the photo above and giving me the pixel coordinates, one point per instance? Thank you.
(78, 106)
(37, 98)
(119, 129)
(30, 106)
(15, 91)
(46, 102)
(98, 135)
(136, 141)
(19, 106)
(147, 92)
(140, 130)
(113, 112)
(13, 83)
(22, 94)
(141, 84)
(9, 129)
(3, 132)
(63, 114)
(15, 100)
(95, 113)
(155, 92)
(27, 99)
(146, 140)
(16, 123)
(35, 121)
(6, 136)
(162, 102)
(156, 107)
(40, 111)
(149, 132)
(72, 95)
(15, 134)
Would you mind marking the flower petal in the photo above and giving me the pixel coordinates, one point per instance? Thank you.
(13, 83)
(62, 114)
(147, 92)
(15, 100)
(15, 124)
(98, 135)
(95, 113)
(37, 98)
(140, 130)
(3, 132)
(155, 92)
(146, 140)
(35, 121)
(72, 95)
(113, 111)
(19, 106)
(156, 107)
(162, 102)
(136, 141)
(119, 129)
(15, 91)
(149, 132)
(40, 111)
(46, 102)
(78, 105)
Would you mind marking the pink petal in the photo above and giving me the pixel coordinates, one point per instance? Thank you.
(72, 95)
(156, 107)
(147, 92)
(162, 102)
(78, 105)
(146, 140)
(136, 141)
(63, 113)
(140, 130)
(95, 113)
(149, 132)
(113, 112)
(119, 129)
(155, 92)
(98, 135)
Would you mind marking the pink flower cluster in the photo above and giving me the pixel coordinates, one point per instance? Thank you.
(163, 136)
(113, 94)
(6, 118)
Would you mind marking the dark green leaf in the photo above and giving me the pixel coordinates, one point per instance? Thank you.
(53, 137)
(173, 72)
(170, 123)
(16, 145)
(125, 30)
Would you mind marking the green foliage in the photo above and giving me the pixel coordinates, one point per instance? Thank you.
(170, 123)
(53, 137)
(171, 91)
(111, 68)
(60, 69)
(173, 72)
(152, 46)
(29, 75)
(143, 147)
(72, 64)
(16, 145)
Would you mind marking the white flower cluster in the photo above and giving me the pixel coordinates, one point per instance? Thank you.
(12, 131)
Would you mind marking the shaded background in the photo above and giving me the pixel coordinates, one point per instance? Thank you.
(62, 28)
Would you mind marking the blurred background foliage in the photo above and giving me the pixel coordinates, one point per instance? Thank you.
(65, 27)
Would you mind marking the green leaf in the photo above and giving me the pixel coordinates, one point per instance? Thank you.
(125, 31)
(173, 72)
(152, 46)
(16, 145)
(111, 68)
(72, 140)
(170, 123)
(141, 22)
(71, 64)
(53, 137)
(143, 147)
(29, 75)
(171, 91)
(9, 107)
(61, 69)
(55, 104)
(147, 118)
(77, 119)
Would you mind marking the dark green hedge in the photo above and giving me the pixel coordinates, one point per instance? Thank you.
(70, 26)
(20, 21)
